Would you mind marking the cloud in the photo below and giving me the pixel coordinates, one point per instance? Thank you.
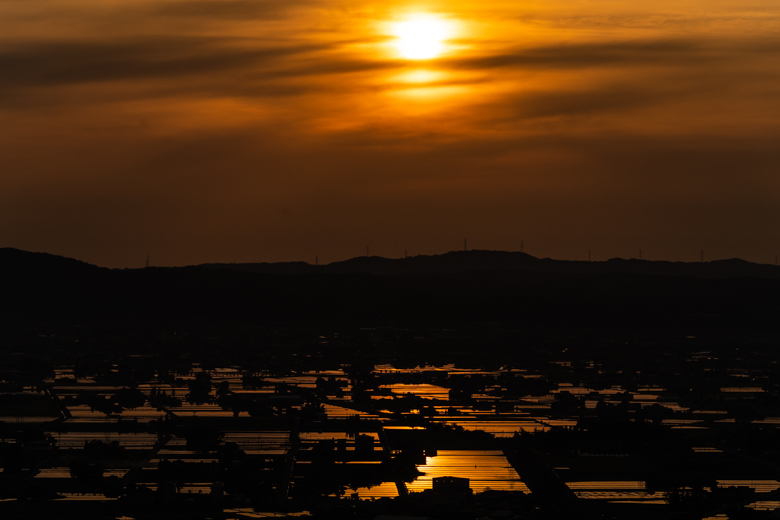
(233, 9)
(575, 103)
(567, 56)
(54, 63)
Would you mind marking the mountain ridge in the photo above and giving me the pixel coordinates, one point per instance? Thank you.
(547, 297)
(485, 260)
(451, 262)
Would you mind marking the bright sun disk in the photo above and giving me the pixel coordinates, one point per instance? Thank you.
(421, 37)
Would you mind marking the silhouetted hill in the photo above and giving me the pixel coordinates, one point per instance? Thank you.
(462, 289)
(41, 264)
(462, 261)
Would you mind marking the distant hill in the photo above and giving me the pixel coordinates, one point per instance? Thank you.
(44, 264)
(729, 298)
(470, 261)
(19, 261)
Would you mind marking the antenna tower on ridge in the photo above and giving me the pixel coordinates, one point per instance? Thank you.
(147, 260)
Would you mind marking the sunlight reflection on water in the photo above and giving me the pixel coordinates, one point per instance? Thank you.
(483, 468)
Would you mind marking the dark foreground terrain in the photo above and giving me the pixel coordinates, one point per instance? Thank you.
(469, 385)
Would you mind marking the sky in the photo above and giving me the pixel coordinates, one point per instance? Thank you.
(198, 131)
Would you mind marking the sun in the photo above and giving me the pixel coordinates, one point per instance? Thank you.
(421, 36)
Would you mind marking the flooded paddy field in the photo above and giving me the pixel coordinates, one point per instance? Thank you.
(244, 439)
(485, 469)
